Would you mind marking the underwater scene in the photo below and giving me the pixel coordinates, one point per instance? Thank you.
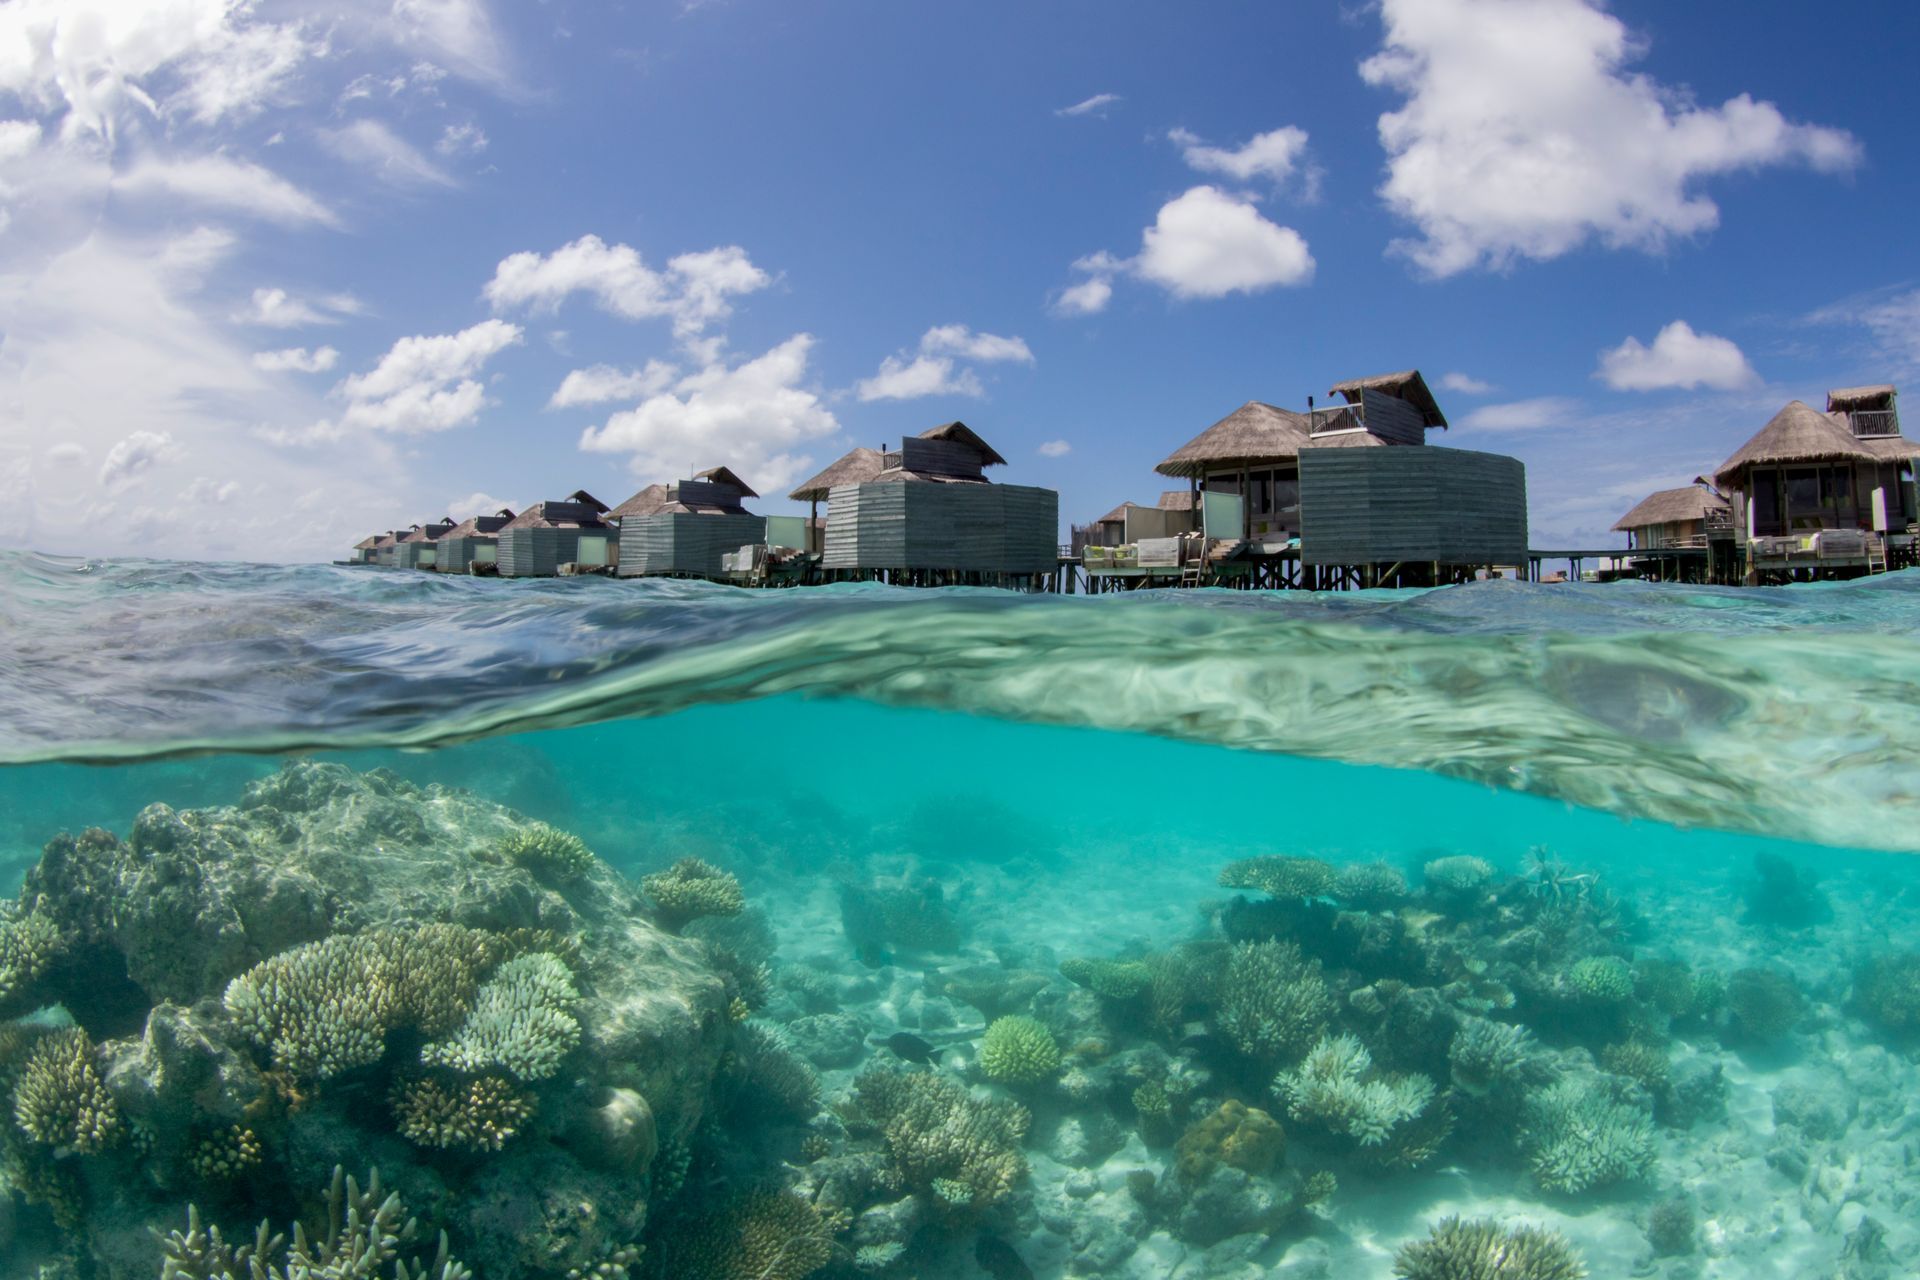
(362, 925)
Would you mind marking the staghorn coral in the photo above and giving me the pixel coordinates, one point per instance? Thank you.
(1601, 980)
(1244, 1137)
(1370, 886)
(474, 1115)
(364, 1234)
(1576, 1135)
(762, 1235)
(225, 1155)
(1484, 1250)
(548, 852)
(1486, 1056)
(934, 1130)
(772, 1076)
(1272, 1003)
(60, 1100)
(1113, 979)
(692, 888)
(1337, 1088)
(1645, 1064)
(29, 942)
(1278, 876)
(1460, 878)
(520, 1022)
(1019, 1050)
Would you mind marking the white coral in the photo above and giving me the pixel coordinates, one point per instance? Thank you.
(520, 1022)
(1331, 1087)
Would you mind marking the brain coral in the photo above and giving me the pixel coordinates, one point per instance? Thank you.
(1019, 1050)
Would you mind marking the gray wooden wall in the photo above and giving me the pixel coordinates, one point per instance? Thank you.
(680, 542)
(456, 554)
(539, 553)
(1392, 418)
(972, 528)
(1377, 506)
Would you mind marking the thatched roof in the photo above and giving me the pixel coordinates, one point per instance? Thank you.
(479, 526)
(1801, 433)
(1670, 506)
(535, 517)
(430, 531)
(644, 503)
(1861, 397)
(1255, 434)
(367, 544)
(1407, 384)
(586, 499)
(1175, 500)
(1117, 515)
(722, 475)
(855, 467)
(387, 540)
(961, 433)
(1361, 439)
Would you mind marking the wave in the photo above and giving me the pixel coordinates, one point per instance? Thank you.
(1792, 712)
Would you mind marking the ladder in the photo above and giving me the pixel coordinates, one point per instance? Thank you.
(1876, 554)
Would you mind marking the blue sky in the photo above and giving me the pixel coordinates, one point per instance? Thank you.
(276, 276)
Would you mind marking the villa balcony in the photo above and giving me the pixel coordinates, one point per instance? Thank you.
(1875, 422)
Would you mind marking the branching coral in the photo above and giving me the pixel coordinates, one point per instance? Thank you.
(1601, 980)
(1019, 1050)
(1370, 886)
(1337, 1088)
(773, 1077)
(762, 1235)
(225, 1155)
(60, 1100)
(935, 1130)
(691, 888)
(548, 852)
(1645, 1064)
(477, 1115)
(1113, 979)
(1460, 877)
(365, 1234)
(520, 1022)
(1484, 1250)
(1273, 1004)
(1576, 1135)
(29, 942)
(1763, 1005)
(1278, 876)
(1487, 1055)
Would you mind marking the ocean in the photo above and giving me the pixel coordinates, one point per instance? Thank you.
(664, 929)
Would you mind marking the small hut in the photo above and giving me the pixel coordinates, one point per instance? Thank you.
(1808, 471)
(383, 550)
(417, 550)
(684, 528)
(856, 466)
(363, 550)
(473, 545)
(931, 510)
(1677, 519)
(569, 530)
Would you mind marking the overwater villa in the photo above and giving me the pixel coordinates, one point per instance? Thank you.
(1344, 494)
(856, 466)
(930, 516)
(1680, 535)
(684, 529)
(473, 545)
(417, 549)
(547, 535)
(363, 550)
(383, 549)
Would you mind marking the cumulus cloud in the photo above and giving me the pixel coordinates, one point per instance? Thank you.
(273, 308)
(475, 504)
(751, 416)
(296, 360)
(1523, 135)
(1679, 357)
(1272, 155)
(1523, 415)
(1097, 105)
(600, 383)
(1090, 296)
(1465, 384)
(936, 369)
(694, 291)
(221, 182)
(133, 456)
(426, 383)
(1055, 449)
(1204, 243)
(373, 147)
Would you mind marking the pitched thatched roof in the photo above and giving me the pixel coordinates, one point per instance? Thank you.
(961, 433)
(644, 503)
(586, 499)
(479, 526)
(855, 467)
(367, 544)
(1252, 435)
(1346, 440)
(387, 540)
(1117, 515)
(722, 475)
(535, 517)
(1801, 433)
(1175, 500)
(1673, 505)
(1861, 397)
(1407, 384)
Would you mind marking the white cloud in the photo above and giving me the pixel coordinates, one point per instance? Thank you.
(600, 383)
(958, 340)
(694, 291)
(132, 457)
(475, 504)
(1523, 415)
(1465, 384)
(460, 32)
(1272, 155)
(461, 140)
(1088, 297)
(750, 416)
(1208, 243)
(1891, 316)
(372, 146)
(426, 383)
(296, 360)
(903, 379)
(221, 182)
(206, 491)
(1679, 357)
(67, 453)
(277, 309)
(1055, 449)
(1095, 106)
(1523, 136)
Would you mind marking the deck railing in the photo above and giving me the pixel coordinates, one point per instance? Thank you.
(1875, 422)
(1324, 418)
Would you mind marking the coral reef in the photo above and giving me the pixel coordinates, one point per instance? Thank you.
(762, 1235)
(520, 1022)
(60, 1100)
(1763, 1005)
(771, 1077)
(1601, 980)
(912, 915)
(29, 941)
(548, 852)
(1336, 1088)
(1577, 1135)
(476, 1115)
(935, 1132)
(1243, 1137)
(1886, 991)
(1370, 886)
(1281, 877)
(1486, 1056)
(1484, 1250)
(1113, 979)
(1273, 1003)
(692, 888)
(1457, 878)
(1019, 1050)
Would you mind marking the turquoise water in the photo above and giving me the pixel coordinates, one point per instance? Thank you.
(1694, 933)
